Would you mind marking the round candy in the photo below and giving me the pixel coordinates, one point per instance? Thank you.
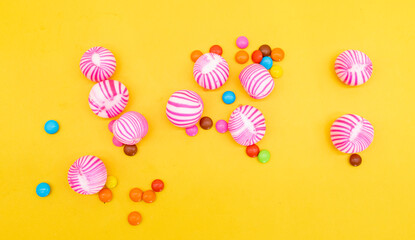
(110, 124)
(51, 127)
(206, 123)
(276, 71)
(353, 67)
(108, 98)
(130, 128)
(157, 185)
(252, 150)
(111, 182)
(247, 125)
(266, 62)
(264, 156)
(105, 195)
(216, 49)
(136, 194)
(130, 150)
(116, 142)
(265, 49)
(195, 55)
(228, 97)
(242, 42)
(98, 64)
(257, 81)
(42, 189)
(211, 71)
(351, 133)
(192, 131)
(221, 126)
(134, 218)
(242, 57)
(87, 175)
(149, 196)
(184, 108)
(256, 56)
(355, 160)
(277, 54)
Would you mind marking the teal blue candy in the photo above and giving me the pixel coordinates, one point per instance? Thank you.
(228, 97)
(43, 189)
(51, 127)
(264, 156)
(266, 62)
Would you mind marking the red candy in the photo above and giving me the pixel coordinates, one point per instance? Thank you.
(252, 150)
(256, 56)
(157, 185)
(216, 49)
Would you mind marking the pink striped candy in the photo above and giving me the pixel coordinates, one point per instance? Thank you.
(108, 98)
(351, 133)
(130, 128)
(257, 81)
(87, 175)
(184, 108)
(353, 67)
(211, 71)
(98, 64)
(247, 125)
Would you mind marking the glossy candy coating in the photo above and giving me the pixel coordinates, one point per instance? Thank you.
(157, 185)
(242, 42)
(241, 57)
(266, 62)
(277, 54)
(192, 131)
(216, 49)
(51, 127)
(221, 126)
(257, 56)
(136, 194)
(42, 189)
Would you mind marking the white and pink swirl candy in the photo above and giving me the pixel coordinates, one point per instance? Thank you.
(130, 128)
(247, 125)
(108, 98)
(211, 71)
(257, 81)
(98, 64)
(351, 133)
(87, 175)
(353, 67)
(184, 108)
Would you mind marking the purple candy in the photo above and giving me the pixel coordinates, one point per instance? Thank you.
(221, 126)
(242, 42)
(116, 142)
(192, 131)
(110, 125)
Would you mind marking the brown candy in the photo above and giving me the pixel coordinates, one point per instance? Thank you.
(206, 123)
(130, 150)
(265, 49)
(355, 160)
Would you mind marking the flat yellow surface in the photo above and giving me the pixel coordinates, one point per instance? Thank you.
(213, 190)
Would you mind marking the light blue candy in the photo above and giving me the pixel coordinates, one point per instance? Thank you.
(266, 62)
(51, 126)
(43, 189)
(228, 97)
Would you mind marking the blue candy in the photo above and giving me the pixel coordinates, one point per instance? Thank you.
(51, 126)
(228, 97)
(43, 189)
(266, 62)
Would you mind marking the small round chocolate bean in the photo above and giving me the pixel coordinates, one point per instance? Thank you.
(206, 123)
(265, 49)
(130, 150)
(355, 160)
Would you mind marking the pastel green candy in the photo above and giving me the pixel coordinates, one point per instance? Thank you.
(264, 156)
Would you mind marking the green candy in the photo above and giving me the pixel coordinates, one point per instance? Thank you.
(264, 156)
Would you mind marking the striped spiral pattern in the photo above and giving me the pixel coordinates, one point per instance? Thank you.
(98, 64)
(211, 71)
(353, 67)
(108, 98)
(130, 128)
(247, 125)
(257, 81)
(351, 133)
(184, 108)
(87, 175)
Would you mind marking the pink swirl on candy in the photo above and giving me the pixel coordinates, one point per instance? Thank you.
(184, 108)
(87, 175)
(98, 64)
(211, 71)
(257, 81)
(247, 125)
(353, 67)
(108, 98)
(351, 133)
(130, 128)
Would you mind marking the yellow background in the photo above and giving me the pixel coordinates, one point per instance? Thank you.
(213, 190)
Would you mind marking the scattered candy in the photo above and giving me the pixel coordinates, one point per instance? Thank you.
(130, 150)
(87, 175)
(252, 150)
(130, 128)
(136, 194)
(266, 62)
(355, 160)
(221, 126)
(149, 196)
(192, 131)
(247, 125)
(108, 98)
(98, 64)
(116, 142)
(111, 124)
(277, 54)
(111, 182)
(242, 42)
(206, 123)
(257, 81)
(51, 126)
(228, 97)
(265, 49)
(216, 49)
(242, 57)
(43, 189)
(264, 156)
(256, 56)
(134, 218)
(351, 133)
(353, 67)
(105, 195)
(276, 71)
(157, 185)
(195, 55)
(211, 71)
(184, 108)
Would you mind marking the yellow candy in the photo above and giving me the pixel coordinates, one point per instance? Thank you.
(111, 182)
(276, 71)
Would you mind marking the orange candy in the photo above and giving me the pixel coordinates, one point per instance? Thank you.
(256, 56)
(134, 218)
(216, 49)
(136, 194)
(149, 196)
(277, 54)
(195, 55)
(242, 57)
(105, 195)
